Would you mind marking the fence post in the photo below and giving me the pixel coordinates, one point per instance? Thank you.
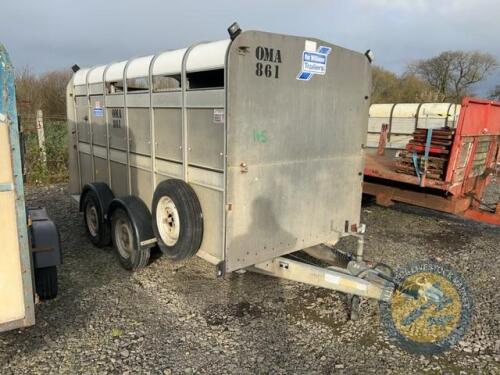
(41, 136)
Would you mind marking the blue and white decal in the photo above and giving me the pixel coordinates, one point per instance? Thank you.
(98, 110)
(313, 61)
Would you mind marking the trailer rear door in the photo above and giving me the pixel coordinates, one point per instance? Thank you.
(297, 113)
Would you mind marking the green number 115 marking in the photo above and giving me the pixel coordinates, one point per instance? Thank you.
(260, 136)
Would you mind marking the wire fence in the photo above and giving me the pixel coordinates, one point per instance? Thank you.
(45, 153)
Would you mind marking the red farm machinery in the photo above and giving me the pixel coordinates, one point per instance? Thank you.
(446, 169)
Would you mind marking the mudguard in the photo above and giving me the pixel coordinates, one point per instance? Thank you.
(104, 194)
(44, 239)
(140, 217)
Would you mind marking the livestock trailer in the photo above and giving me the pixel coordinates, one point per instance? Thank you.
(30, 249)
(243, 150)
(240, 151)
(444, 161)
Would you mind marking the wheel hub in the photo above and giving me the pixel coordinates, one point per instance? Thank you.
(167, 218)
(123, 235)
(92, 219)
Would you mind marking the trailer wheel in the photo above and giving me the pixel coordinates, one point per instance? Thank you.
(46, 282)
(177, 219)
(130, 254)
(96, 227)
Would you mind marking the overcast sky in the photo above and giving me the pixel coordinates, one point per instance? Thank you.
(54, 34)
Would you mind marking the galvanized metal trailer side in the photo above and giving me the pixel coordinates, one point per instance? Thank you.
(142, 137)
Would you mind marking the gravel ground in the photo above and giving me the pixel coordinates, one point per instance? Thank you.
(173, 318)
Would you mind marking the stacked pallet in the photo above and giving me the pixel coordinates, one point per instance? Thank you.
(435, 165)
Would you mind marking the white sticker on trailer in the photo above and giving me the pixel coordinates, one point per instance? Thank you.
(310, 46)
(218, 116)
(332, 278)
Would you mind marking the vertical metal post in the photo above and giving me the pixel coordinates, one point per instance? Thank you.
(224, 193)
(74, 169)
(448, 114)
(91, 132)
(125, 108)
(417, 117)
(457, 145)
(106, 120)
(184, 82)
(152, 125)
(184, 145)
(391, 114)
(77, 134)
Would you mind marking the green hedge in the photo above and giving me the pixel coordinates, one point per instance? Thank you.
(56, 169)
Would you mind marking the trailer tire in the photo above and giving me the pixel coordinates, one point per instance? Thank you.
(96, 226)
(46, 282)
(125, 241)
(177, 219)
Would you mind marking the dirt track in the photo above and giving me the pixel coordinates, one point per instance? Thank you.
(178, 318)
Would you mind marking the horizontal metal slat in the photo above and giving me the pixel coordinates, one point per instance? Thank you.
(6, 186)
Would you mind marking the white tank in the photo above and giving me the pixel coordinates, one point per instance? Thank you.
(438, 115)
(404, 118)
(379, 114)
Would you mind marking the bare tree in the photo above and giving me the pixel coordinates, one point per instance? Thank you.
(495, 93)
(46, 92)
(452, 73)
(413, 89)
(388, 87)
(53, 87)
(27, 92)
